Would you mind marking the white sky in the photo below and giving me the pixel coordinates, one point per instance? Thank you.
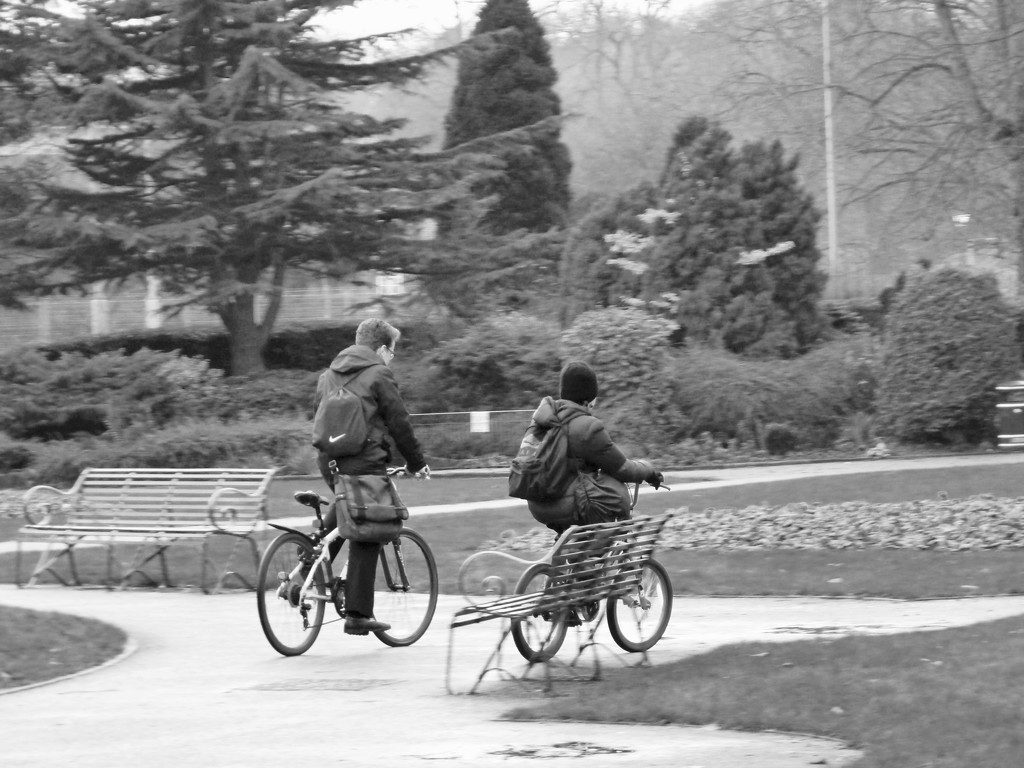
(376, 16)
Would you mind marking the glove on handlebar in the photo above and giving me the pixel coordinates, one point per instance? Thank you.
(656, 479)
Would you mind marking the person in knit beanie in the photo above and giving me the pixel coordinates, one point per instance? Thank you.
(599, 492)
(578, 383)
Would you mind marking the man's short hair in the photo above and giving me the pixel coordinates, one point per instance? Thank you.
(373, 332)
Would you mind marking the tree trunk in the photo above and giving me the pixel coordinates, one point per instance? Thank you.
(246, 336)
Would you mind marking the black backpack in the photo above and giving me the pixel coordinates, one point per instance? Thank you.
(541, 470)
(339, 425)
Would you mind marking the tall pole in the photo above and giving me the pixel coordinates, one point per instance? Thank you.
(830, 170)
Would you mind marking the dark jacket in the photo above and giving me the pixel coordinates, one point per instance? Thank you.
(590, 445)
(384, 409)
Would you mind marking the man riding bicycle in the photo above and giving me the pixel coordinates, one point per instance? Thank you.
(599, 492)
(386, 414)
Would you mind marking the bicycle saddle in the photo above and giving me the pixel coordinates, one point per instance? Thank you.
(311, 499)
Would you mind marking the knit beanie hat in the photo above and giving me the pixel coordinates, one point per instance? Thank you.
(578, 382)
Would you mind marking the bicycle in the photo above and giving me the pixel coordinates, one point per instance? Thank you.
(636, 621)
(295, 582)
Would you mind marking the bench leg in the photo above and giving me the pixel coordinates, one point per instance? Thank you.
(226, 572)
(590, 642)
(47, 563)
(141, 559)
(493, 663)
(17, 564)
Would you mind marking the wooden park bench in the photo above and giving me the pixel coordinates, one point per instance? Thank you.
(149, 510)
(587, 566)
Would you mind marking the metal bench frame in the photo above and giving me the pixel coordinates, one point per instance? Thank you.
(588, 565)
(151, 509)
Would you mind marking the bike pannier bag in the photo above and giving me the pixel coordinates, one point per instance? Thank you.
(541, 470)
(600, 498)
(339, 425)
(368, 508)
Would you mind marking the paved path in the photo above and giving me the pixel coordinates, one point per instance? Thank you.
(201, 687)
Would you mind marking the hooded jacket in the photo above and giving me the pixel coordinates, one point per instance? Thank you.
(386, 414)
(590, 445)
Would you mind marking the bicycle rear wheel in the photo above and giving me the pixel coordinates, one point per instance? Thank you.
(539, 637)
(639, 619)
(291, 626)
(406, 595)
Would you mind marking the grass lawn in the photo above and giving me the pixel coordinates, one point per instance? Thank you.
(947, 699)
(39, 646)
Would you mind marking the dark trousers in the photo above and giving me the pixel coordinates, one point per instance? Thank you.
(362, 572)
(362, 569)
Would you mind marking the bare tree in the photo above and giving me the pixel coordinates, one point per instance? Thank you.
(929, 116)
(633, 74)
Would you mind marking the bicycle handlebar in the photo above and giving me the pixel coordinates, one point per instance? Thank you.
(403, 472)
(636, 491)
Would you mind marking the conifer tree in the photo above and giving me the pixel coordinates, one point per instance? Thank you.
(222, 153)
(510, 85)
(728, 237)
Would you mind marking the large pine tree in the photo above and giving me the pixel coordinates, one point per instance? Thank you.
(223, 153)
(510, 85)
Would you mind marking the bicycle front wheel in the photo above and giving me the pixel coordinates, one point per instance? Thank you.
(406, 595)
(638, 619)
(290, 622)
(539, 637)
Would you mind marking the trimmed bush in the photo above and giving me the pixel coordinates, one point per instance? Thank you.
(628, 349)
(509, 361)
(734, 398)
(73, 394)
(950, 339)
(307, 347)
(14, 456)
(266, 443)
(779, 439)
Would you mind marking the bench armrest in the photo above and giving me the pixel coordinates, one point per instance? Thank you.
(486, 575)
(42, 503)
(228, 518)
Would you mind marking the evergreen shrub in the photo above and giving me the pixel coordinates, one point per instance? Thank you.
(628, 349)
(779, 439)
(210, 345)
(950, 338)
(505, 362)
(309, 347)
(14, 456)
(735, 398)
(72, 394)
(190, 443)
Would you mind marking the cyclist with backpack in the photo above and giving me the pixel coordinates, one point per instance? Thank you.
(588, 470)
(357, 406)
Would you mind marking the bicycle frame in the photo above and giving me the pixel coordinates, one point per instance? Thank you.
(322, 560)
(296, 581)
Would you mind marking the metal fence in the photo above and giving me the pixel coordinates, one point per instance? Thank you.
(471, 438)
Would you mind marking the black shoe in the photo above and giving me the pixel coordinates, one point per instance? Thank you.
(360, 625)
